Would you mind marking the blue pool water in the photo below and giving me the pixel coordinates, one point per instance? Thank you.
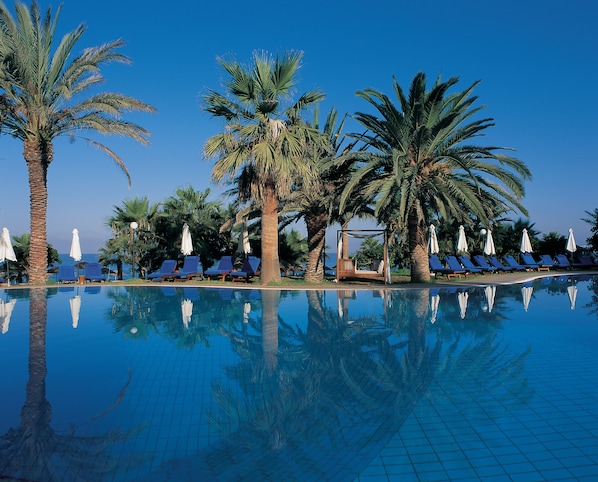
(170, 383)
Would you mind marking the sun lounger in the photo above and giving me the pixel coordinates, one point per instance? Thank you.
(166, 271)
(93, 272)
(512, 262)
(562, 262)
(191, 268)
(222, 270)
(546, 262)
(585, 261)
(455, 265)
(480, 268)
(531, 263)
(495, 263)
(66, 274)
(249, 269)
(437, 267)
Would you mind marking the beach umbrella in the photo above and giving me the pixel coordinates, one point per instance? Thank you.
(462, 296)
(462, 240)
(5, 314)
(434, 304)
(526, 245)
(489, 249)
(186, 312)
(75, 252)
(526, 293)
(7, 253)
(433, 241)
(490, 292)
(186, 242)
(75, 303)
(571, 246)
(572, 291)
(244, 246)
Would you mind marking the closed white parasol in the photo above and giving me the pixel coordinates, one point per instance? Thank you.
(489, 249)
(244, 246)
(526, 245)
(571, 246)
(433, 241)
(75, 252)
(462, 240)
(186, 242)
(7, 253)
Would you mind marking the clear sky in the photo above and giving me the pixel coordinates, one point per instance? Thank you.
(537, 60)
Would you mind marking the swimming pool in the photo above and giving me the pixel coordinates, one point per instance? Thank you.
(171, 383)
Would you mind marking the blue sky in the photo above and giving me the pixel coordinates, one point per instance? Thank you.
(537, 61)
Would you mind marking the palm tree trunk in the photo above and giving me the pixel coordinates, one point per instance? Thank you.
(38, 156)
(420, 269)
(270, 271)
(316, 238)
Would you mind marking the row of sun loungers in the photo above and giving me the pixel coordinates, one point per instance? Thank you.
(457, 266)
(191, 268)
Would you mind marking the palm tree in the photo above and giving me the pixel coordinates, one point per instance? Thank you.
(592, 220)
(43, 97)
(139, 246)
(262, 138)
(419, 163)
(204, 218)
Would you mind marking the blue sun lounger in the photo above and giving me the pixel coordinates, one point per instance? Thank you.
(437, 267)
(166, 271)
(455, 265)
(562, 262)
(191, 269)
(66, 274)
(512, 262)
(485, 265)
(224, 267)
(530, 262)
(494, 261)
(468, 265)
(249, 269)
(93, 272)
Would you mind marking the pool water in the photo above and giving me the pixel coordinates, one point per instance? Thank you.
(184, 383)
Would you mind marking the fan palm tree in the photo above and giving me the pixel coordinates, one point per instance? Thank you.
(138, 246)
(262, 138)
(419, 162)
(42, 97)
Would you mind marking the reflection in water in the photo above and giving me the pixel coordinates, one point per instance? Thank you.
(302, 385)
(323, 402)
(34, 450)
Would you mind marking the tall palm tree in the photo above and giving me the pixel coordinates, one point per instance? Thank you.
(262, 138)
(42, 97)
(420, 163)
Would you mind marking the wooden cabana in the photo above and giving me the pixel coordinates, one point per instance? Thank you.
(346, 268)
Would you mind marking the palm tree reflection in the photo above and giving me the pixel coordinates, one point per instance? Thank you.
(34, 450)
(346, 388)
